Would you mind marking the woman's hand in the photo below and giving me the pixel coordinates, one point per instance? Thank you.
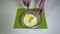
(41, 6)
(26, 2)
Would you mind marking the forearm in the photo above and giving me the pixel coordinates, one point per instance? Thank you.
(41, 5)
(42, 2)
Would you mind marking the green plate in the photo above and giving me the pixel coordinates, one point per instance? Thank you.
(17, 23)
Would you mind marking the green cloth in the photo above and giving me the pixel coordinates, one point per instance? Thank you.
(17, 23)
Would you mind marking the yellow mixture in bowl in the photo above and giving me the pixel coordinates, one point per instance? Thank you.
(30, 20)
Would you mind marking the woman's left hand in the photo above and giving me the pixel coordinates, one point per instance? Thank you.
(41, 6)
